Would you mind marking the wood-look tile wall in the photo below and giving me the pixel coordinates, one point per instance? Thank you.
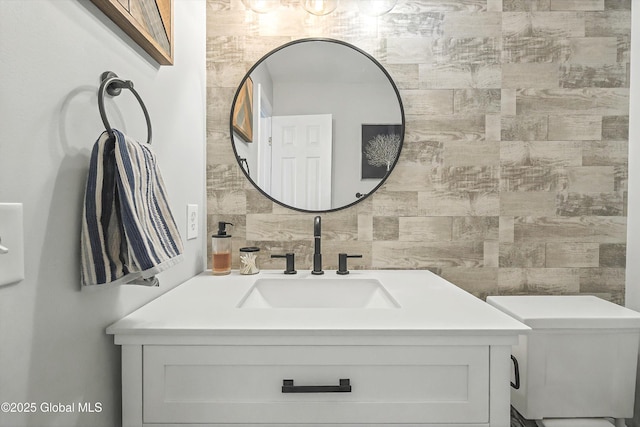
(513, 175)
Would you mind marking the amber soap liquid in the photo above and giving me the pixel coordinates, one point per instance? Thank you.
(221, 263)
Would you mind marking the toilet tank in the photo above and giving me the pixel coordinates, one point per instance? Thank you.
(579, 359)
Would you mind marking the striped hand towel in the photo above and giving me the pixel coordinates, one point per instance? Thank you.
(128, 232)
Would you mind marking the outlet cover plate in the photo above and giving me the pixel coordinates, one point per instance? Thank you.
(12, 237)
(192, 222)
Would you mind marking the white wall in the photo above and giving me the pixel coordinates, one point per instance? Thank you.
(632, 289)
(53, 347)
(633, 219)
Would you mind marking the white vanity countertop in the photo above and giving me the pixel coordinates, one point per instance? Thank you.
(208, 305)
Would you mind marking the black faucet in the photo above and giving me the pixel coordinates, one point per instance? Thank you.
(317, 256)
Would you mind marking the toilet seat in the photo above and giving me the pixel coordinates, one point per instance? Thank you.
(574, 422)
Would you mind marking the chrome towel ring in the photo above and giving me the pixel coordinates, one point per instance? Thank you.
(113, 85)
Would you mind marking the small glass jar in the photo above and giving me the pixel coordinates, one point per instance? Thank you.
(249, 260)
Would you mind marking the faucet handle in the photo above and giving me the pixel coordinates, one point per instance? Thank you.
(342, 262)
(291, 262)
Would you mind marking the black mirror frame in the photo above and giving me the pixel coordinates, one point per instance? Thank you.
(306, 40)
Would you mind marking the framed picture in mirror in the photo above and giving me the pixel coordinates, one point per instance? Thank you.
(148, 22)
(380, 148)
(243, 111)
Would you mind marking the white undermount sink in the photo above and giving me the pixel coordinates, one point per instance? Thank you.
(312, 292)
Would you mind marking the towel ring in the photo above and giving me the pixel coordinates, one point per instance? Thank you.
(113, 85)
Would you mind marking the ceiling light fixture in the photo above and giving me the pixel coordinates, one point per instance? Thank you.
(319, 7)
(262, 6)
(376, 7)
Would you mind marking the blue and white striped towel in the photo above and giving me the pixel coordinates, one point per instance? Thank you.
(128, 232)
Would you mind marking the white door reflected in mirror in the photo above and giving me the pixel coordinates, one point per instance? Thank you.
(301, 161)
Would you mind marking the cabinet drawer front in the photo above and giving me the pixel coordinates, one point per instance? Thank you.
(243, 384)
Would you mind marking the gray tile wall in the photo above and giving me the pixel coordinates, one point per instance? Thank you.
(513, 175)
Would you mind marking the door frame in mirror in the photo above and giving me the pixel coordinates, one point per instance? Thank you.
(247, 76)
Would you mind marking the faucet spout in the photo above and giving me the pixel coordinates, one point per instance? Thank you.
(317, 254)
(317, 228)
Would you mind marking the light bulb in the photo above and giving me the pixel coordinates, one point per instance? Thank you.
(319, 7)
(376, 7)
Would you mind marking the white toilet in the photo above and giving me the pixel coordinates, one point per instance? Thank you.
(577, 365)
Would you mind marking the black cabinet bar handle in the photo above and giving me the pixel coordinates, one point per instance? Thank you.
(517, 373)
(344, 387)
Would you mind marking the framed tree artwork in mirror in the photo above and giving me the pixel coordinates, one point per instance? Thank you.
(380, 149)
(148, 22)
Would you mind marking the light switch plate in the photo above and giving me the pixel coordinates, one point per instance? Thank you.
(192, 222)
(11, 238)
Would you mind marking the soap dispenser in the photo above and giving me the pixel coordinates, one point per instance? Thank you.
(221, 250)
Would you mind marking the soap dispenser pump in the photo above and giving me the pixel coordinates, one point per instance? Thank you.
(221, 250)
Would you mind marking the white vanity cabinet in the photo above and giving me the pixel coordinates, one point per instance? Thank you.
(345, 370)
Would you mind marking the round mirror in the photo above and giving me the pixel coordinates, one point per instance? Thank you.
(317, 125)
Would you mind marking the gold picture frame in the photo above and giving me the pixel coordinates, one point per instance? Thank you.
(148, 22)
(243, 111)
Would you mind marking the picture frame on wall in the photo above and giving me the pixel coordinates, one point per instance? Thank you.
(243, 111)
(380, 148)
(148, 22)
